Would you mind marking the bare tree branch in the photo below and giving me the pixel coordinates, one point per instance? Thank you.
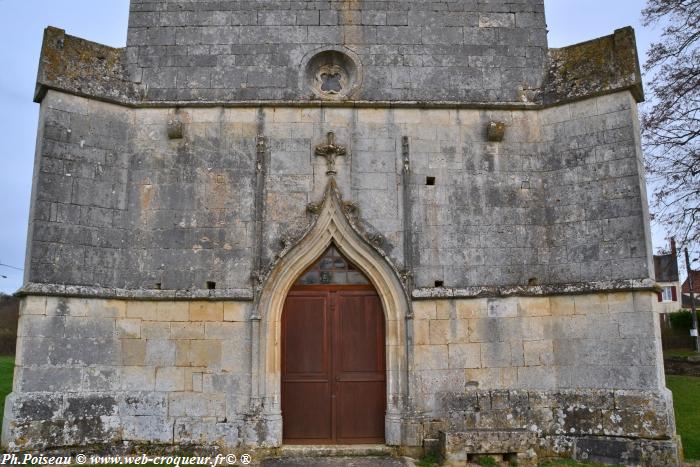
(671, 122)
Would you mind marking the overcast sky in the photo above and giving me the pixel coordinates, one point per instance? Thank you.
(22, 23)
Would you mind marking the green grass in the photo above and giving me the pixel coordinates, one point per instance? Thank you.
(7, 365)
(680, 353)
(429, 460)
(570, 463)
(686, 401)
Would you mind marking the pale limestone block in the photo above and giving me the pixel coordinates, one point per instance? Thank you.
(155, 330)
(614, 102)
(533, 328)
(170, 379)
(471, 308)
(182, 352)
(224, 330)
(206, 311)
(459, 331)
(129, 328)
(637, 324)
(309, 115)
(620, 302)
(489, 329)
(235, 311)
(536, 377)
(41, 326)
(286, 114)
(61, 306)
(534, 306)
(99, 308)
(464, 355)
(32, 305)
(555, 114)
(372, 115)
(160, 352)
(240, 130)
(205, 115)
(539, 353)
(338, 116)
(562, 305)
(173, 311)
(517, 355)
(443, 309)
(235, 356)
(150, 429)
(83, 326)
(431, 357)
(146, 311)
(408, 116)
(502, 307)
(591, 304)
(240, 115)
(187, 330)
(425, 309)
(195, 404)
(138, 378)
(439, 331)
(644, 301)
(421, 132)
(442, 117)
(492, 378)
(133, 352)
(151, 116)
(195, 381)
(205, 353)
(66, 102)
(421, 332)
(495, 355)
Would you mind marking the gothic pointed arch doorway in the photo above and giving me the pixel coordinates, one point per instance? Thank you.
(333, 356)
(331, 227)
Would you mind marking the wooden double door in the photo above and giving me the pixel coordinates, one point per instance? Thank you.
(333, 366)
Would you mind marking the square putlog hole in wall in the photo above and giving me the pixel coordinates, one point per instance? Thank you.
(430, 181)
(439, 283)
(211, 285)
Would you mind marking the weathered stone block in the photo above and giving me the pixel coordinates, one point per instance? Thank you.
(187, 330)
(128, 328)
(235, 311)
(206, 311)
(464, 355)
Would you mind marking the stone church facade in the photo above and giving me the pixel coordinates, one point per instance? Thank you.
(484, 194)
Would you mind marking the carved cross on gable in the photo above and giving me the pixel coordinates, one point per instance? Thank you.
(330, 151)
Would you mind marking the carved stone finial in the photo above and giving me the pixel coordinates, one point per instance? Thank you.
(314, 208)
(330, 151)
(495, 131)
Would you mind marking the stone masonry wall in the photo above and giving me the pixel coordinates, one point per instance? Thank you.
(456, 50)
(100, 371)
(560, 200)
(561, 368)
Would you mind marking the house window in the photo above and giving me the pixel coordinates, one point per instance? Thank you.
(668, 294)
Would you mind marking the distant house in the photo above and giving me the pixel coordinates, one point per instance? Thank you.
(695, 275)
(666, 270)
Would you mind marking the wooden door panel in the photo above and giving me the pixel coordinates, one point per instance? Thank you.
(306, 412)
(306, 337)
(306, 370)
(333, 366)
(359, 330)
(358, 356)
(361, 422)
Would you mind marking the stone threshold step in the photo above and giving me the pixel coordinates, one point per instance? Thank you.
(335, 450)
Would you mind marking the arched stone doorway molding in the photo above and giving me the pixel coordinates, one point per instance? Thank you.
(331, 226)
